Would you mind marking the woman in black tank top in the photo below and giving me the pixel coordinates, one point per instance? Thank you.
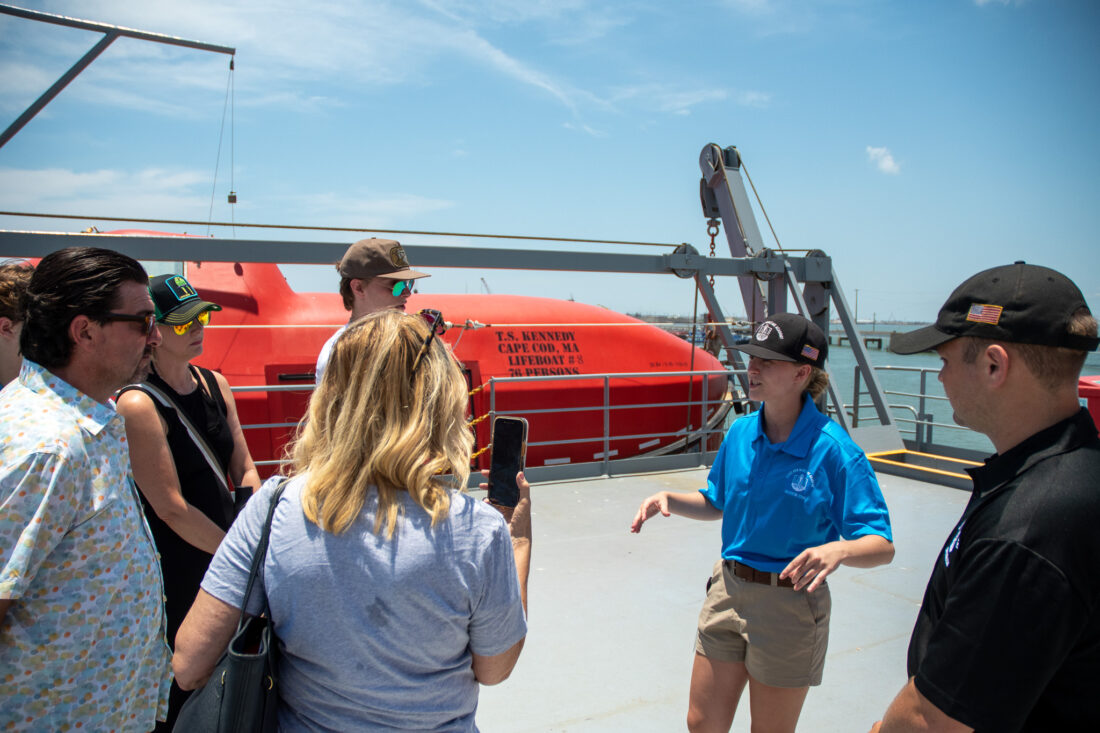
(187, 451)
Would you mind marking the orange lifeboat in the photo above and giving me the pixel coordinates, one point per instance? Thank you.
(523, 356)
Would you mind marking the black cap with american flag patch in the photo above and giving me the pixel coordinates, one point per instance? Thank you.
(1017, 303)
(788, 337)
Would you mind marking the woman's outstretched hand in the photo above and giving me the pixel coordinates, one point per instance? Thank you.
(649, 508)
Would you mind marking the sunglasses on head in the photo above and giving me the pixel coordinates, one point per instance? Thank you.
(400, 286)
(147, 321)
(182, 328)
(436, 325)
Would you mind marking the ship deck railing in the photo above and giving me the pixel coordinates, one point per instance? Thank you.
(605, 464)
(942, 463)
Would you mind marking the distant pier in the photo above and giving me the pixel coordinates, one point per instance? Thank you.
(871, 339)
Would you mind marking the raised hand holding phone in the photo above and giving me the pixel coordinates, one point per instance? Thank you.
(508, 452)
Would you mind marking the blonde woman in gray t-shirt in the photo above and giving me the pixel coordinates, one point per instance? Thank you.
(392, 593)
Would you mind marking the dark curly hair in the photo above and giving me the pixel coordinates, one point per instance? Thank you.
(14, 277)
(67, 283)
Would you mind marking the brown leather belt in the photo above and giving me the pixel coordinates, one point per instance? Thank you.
(744, 572)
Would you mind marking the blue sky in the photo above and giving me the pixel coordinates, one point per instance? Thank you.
(915, 142)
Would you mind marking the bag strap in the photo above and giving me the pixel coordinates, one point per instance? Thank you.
(211, 387)
(261, 553)
(198, 438)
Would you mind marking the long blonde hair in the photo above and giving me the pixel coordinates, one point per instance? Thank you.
(372, 421)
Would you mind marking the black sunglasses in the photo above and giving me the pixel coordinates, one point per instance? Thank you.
(147, 321)
(436, 325)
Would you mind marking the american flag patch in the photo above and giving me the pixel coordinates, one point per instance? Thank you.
(810, 352)
(980, 313)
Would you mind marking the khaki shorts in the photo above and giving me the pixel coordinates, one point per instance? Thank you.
(779, 633)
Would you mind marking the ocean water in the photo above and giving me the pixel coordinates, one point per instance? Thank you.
(842, 364)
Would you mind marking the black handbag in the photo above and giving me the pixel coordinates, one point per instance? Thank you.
(242, 692)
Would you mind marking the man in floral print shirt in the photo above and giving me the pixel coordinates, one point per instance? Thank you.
(81, 613)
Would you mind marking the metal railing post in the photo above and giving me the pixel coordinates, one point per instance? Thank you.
(492, 405)
(703, 432)
(606, 424)
(855, 398)
(924, 432)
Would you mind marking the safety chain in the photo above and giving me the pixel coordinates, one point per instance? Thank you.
(712, 230)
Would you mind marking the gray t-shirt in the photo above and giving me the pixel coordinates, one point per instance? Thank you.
(375, 633)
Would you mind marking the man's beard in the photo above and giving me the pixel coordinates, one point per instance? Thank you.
(144, 367)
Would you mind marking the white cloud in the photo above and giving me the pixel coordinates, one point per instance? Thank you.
(883, 160)
(147, 192)
(485, 52)
(681, 102)
(185, 194)
(586, 129)
(321, 56)
(564, 22)
(317, 56)
(668, 98)
(20, 84)
(760, 100)
(676, 100)
(282, 43)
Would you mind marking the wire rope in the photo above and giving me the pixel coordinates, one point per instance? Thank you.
(232, 146)
(312, 228)
(218, 157)
(760, 202)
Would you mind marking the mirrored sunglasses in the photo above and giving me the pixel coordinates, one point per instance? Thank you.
(182, 328)
(400, 286)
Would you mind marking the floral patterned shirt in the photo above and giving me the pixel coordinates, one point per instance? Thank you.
(82, 644)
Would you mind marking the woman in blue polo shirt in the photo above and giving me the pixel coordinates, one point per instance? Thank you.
(797, 499)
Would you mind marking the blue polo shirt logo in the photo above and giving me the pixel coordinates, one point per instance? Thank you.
(800, 482)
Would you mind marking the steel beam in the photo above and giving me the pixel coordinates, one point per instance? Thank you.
(742, 235)
(210, 249)
(88, 25)
(112, 32)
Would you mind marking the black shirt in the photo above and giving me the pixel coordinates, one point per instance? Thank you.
(182, 564)
(1008, 635)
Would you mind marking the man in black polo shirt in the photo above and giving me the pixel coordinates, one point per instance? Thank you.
(1008, 635)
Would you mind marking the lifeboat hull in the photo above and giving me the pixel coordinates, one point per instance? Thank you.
(268, 334)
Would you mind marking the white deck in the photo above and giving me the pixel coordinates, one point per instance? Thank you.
(612, 615)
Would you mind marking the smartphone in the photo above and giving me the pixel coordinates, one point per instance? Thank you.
(508, 453)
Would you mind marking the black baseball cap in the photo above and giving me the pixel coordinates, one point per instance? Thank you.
(175, 301)
(788, 337)
(1017, 303)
